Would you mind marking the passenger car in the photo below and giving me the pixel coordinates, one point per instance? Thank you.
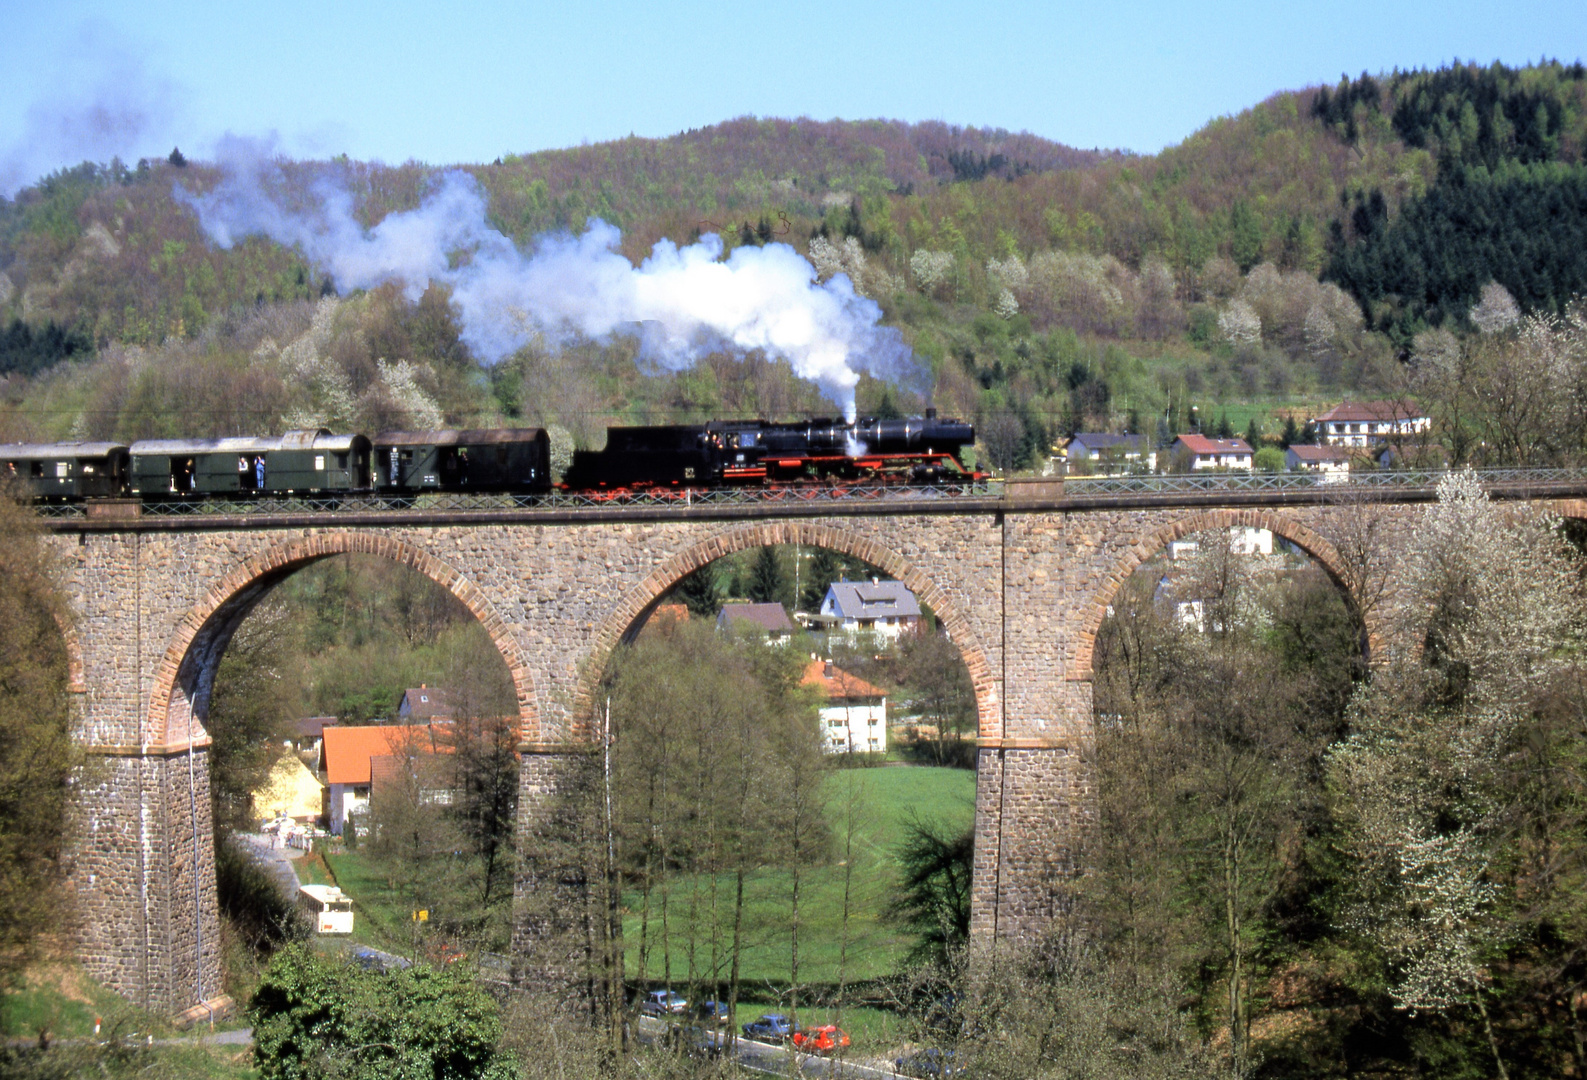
(821, 1040)
(773, 1027)
(663, 1003)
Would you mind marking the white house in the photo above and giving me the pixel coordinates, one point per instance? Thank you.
(1330, 463)
(1205, 453)
(854, 718)
(1105, 454)
(346, 754)
(1368, 423)
(884, 608)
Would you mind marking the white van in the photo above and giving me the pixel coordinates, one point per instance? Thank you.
(329, 909)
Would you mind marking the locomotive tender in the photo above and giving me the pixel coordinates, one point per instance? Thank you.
(731, 453)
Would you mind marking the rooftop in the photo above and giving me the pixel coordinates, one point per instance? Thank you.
(1200, 444)
(347, 750)
(1372, 411)
(871, 599)
(836, 683)
(769, 617)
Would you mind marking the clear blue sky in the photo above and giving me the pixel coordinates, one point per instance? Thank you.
(462, 82)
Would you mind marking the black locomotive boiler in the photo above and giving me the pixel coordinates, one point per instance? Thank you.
(757, 452)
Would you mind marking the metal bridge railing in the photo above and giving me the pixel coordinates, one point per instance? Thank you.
(1080, 487)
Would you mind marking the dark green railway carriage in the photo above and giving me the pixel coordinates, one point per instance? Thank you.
(69, 470)
(297, 462)
(508, 459)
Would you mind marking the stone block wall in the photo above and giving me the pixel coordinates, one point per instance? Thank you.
(1022, 592)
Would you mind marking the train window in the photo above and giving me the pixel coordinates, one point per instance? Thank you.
(501, 455)
(63, 469)
(319, 462)
(37, 469)
(341, 461)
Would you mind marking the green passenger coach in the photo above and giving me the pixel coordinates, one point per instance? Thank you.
(70, 470)
(299, 461)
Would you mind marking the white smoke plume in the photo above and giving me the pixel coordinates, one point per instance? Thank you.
(681, 302)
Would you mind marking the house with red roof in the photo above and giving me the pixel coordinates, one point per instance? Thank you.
(853, 713)
(1201, 452)
(346, 754)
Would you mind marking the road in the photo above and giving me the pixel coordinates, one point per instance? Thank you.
(776, 1060)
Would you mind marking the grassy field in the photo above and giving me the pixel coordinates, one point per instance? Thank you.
(884, 800)
(695, 946)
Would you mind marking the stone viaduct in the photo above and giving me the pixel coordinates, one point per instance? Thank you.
(1021, 581)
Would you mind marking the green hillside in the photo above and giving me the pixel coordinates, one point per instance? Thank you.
(1274, 260)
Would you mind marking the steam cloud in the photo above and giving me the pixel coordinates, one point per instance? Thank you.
(681, 302)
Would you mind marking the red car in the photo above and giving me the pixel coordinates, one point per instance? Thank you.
(820, 1040)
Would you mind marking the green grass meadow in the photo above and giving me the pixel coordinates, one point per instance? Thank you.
(695, 946)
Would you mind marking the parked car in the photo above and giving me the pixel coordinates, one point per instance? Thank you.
(711, 1012)
(694, 1041)
(773, 1027)
(821, 1040)
(663, 1003)
(930, 1064)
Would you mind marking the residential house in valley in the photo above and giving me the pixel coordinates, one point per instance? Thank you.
(769, 619)
(347, 752)
(1102, 454)
(887, 609)
(1200, 452)
(1330, 463)
(854, 713)
(1370, 423)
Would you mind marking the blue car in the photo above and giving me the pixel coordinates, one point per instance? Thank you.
(773, 1027)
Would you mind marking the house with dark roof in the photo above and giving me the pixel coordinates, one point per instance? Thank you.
(770, 619)
(423, 704)
(1330, 463)
(307, 732)
(1099, 453)
(884, 608)
(1201, 452)
(1369, 423)
(853, 713)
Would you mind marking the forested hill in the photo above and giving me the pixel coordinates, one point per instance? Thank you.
(1054, 285)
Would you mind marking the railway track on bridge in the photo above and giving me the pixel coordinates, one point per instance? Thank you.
(991, 496)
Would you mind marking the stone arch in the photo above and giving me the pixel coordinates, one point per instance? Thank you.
(1297, 532)
(186, 674)
(641, 599)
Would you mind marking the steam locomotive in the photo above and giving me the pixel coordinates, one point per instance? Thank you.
(753, 453)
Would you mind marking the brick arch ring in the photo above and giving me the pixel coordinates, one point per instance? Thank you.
(640, 600)
(201, 637)
(1304, 537)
